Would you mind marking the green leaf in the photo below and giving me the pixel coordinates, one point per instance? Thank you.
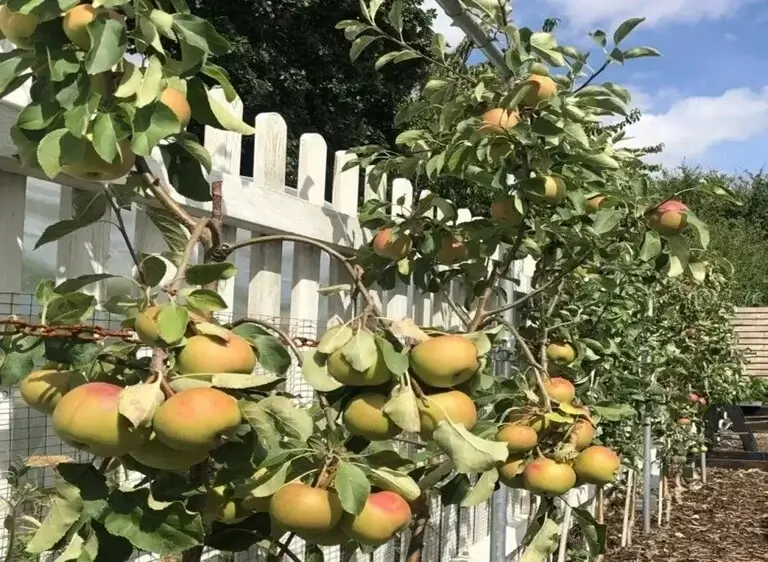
(601, 159)
(240, 381)
(594, 533)
(164, 532)
(359, 45)
(625, 29)
(576, 133)
(199, 33)
(222, 77)
(184, 171)
(210, 272)
(108, 42)
(105, 137)
(482, 490)
(395, 16)
(71, 308)
(12, 65)
(130, 81)
(45, 291)
(263, 423)
(606, 220)
(544, 127)
(206, 110)
(172, 323)
(651, 246)
(701, 229)
(157, 270)
(151, 83)
(638, 52)
(273, 356)
(334, 339)
(196, 150)
(402, 408)
(543, 544)
(293, 421)
(395, 481)
(206, 300)
(469, 453)
(315, 372)
(396, 361)
(17, 357)
(151, 124)
(75, 284)
(360, 351)
(61, 516)
(352, 486)
(174, 233)
(37, 115)
(615, 412)
(58, 148)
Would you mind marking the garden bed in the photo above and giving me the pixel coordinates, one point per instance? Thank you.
(725, 519)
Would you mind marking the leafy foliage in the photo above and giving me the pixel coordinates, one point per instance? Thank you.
(627, 310)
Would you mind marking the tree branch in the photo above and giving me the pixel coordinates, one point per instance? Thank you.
(124, 232)
(325, 248)
(538, 369)
(595, 75)
(194, 238)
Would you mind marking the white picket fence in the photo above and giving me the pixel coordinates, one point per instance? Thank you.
(276, 280)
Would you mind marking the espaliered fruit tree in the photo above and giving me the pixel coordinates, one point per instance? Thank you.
(228, 460)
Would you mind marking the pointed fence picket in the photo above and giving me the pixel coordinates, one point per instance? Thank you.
(278, 281)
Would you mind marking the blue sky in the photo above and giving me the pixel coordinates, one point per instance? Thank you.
(706, 98)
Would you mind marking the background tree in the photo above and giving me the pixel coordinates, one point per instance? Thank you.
(287, 57)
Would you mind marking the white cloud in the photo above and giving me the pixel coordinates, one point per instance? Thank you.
(443, 24)
(693, 125)
(587, 13)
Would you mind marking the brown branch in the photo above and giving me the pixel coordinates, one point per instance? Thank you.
(499, 270)
(356, 278)
(194, 239)
(528, 296)
(418, 529)
(162, 193)
(538, 369)
(459, 311)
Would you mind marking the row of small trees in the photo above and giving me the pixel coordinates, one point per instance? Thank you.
(619, 321)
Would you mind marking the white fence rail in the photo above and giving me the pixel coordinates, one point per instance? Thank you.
(276, 280)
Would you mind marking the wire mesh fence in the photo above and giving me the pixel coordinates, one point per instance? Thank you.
(25, 433)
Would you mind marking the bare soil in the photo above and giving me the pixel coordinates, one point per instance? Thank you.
(725, 520)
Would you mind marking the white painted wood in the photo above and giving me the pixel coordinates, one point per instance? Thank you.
(346, 185)
(397, 303)
(269, 173)
(313, 157)
(14, 194)
(262, 204)
(84, 251)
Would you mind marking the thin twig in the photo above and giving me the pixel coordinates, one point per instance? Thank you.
(538, 369)
(595, 75)
(124, 233)
(329, 417)
(459, 311)
(325, 248)
(194, 240)
(528, 296)
(499, 270)
(162, 194)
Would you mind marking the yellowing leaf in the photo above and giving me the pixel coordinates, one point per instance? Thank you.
(407, 328)
(315, 372)
(209, 329)
(469, 453)
(394, 481)
(334, 339)
(402, 408)
(481, 341)
(483, 490)
(138, 403)
(360, 351)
